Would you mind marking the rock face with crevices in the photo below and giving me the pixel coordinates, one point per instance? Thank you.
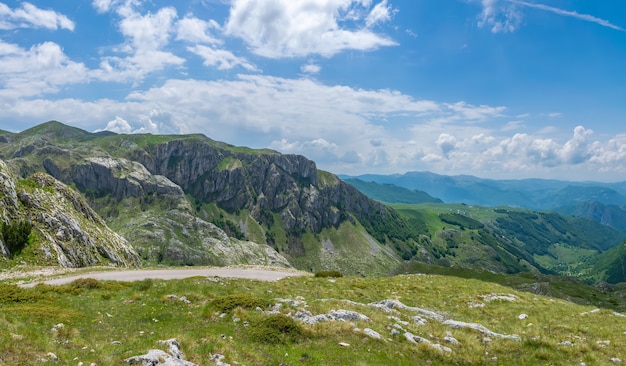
(71, 233)
(189, 200)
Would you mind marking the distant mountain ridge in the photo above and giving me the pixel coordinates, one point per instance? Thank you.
(536, 194)
(390, 193)
(565, 197)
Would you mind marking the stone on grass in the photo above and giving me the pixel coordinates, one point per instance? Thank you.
(372, 333)
(480, 328)
(217, 360)
(393, 305)
(496, 297)
(417, 339)
(334, 315)
(157, 357)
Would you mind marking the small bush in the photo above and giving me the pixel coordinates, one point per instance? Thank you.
(328, 274)
(276, 329)
(16, 294)
(231, 302)
(143, 285)
(15, 236)
(85, 284)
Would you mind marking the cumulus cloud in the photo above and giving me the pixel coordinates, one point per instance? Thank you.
(41, 69)
(285, 28)
(195, 30)
(576, 150)
(146, 36)
(525, 152)
(333, 124)
(222, 59)
(118, 125)
(30, 16)
(150, 31)
(446, 143)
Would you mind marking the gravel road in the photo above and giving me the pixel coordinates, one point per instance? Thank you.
(262, 274)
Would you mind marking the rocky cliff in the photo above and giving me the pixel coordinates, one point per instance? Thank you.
(66, 231)
(191, 200)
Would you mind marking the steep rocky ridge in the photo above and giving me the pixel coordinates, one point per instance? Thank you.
(66, 231)
(165, 192)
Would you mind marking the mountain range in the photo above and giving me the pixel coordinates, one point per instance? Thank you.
(190, 200)
(601, 202)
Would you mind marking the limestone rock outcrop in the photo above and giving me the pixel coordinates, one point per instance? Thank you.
(72, 234)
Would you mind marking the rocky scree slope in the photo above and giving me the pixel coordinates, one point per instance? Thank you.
(163, 192)
(66, 231)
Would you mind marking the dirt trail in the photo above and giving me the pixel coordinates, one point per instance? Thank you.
(254, 273)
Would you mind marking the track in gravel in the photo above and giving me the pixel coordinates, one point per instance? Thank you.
(171, 274)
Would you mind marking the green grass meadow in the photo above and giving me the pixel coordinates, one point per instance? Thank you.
(107, 322)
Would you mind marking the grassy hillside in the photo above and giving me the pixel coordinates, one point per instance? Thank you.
(507, 240)
(562, 287)
(611, 265)
(426, 319)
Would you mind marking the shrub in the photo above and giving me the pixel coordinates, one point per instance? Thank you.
(15, 236)
(143, 285)
(328, 274)
(10, 293)
(85, 284)
(276, 329)
(231, 302)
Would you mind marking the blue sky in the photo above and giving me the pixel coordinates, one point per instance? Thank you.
(493, 88)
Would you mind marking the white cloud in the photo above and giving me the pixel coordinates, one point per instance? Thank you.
(30, 16)
(576, 150)
(380, 13)
(286, 28)
(503, 16)
(513, 125)
(146, 36)
(521, 155)
(118, 125)
(224, 60)
(150, 31)
(122, 7)
(446, 143)
(317, 149)
(475, 113)
(567, 13)
(500, 16)
(194, 30)
(310, 68)
(43, 68)
(344, 129)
